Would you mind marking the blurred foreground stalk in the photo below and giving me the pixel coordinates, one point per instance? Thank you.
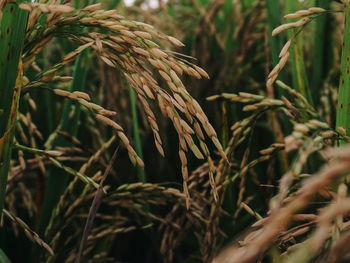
(12, 31)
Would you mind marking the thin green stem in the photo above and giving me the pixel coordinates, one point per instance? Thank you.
(36, 151)
(136, 131)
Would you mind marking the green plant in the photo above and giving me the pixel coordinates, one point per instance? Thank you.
(344, 95)
(12, 30)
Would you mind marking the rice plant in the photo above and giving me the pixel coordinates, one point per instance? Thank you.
(176, 131)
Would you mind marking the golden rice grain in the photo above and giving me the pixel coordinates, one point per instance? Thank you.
(175, 41)
(93, 7)
(197, 152)
(143, 35)
(82, 95)
(108, 113)
(107, 61)
(158, 53)
(201, 71)
(61, 92)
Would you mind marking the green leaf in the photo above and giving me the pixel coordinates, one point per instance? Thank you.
(343, 107)
(3, 257)
(12, 31)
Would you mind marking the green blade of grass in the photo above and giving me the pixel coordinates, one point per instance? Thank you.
(138, 145)
(12, 31)
(3, 257)
(320, 58)
(273, 19)
(136, 131)
(58, 179)
(300, 81)
(343, 107)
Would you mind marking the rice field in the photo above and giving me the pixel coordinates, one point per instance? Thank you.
(188, 131)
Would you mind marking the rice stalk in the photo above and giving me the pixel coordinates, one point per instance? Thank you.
(72, 187)
(29, 233)
(281, 216)
(135, 38)
(93, 210)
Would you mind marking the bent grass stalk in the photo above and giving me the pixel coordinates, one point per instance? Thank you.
(12, 31)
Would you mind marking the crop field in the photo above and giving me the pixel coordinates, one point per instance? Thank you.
(174, 131)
